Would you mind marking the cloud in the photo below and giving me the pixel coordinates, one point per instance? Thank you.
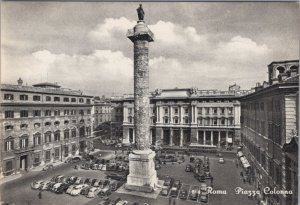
(99, 72)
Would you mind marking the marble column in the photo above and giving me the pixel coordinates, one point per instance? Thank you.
(181, 138)
(204, 137)
(226, 137)
(211, 137)
(219, 139)
(142, 174)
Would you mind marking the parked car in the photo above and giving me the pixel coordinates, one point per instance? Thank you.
(115, 176)
(115, 185)
(79, 181)
(84, 191)
(59, 178)
(177, 184)
(104, 192)
(103, 168)
(62, 188)
(95, 166)
(45, 185)
(203, 188)
(56, 186)
(207, 175)
(194, 194)
(221, 160)
(203, 198)
(174, 191)
(50, 186)
(48, 167)
(169, 181)
(183, 194)
(93, 192)
(96, 183)
(100, 166)
(37, 184)
(77, 189)
(70, 188)
(87, 181)
(188, 168)
(165, 190)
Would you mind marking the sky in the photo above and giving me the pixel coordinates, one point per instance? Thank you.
(207, 45)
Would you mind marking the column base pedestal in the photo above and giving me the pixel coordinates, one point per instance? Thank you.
(142, 174)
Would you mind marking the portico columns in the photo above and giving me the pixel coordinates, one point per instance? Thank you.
(226, 137)
(219, 139)
(211, 138)
(171, 137)
(181, 138)
(204, 139)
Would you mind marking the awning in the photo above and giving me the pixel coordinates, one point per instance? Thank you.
(240, 154)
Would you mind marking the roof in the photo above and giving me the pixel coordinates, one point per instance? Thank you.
(46, 84)
(42, 90)
(285, 61)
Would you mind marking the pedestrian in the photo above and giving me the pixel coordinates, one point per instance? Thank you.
(244, 180)
(211, 180)
(170, 200)
(174, 202)
(40, 195)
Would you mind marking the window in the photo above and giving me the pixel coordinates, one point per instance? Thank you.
(73, 112)
(66, 150)
(215, 110)
(37, 139)
(36, 161)
(230, 121)
(74, 121)
(56, 99)
(230, 110)
(186, 120)
(222, 121)
(88, 112)
(37, 125)
(200, 121)
(56, 153)
(8, 97)
(36, 98)
(24, 126)
(47, 137)
(186, 110)
(81, 112)
(215, 121)
(88, 101)
(57, 136)
(48, 155)
(56, 112)
(36, 113)
(73, 99)
(47, 112)
(207, 110)
(222, 111)
(8, 166)
(81, 100)
(23, 97)
(24, 142)
(66, 112)
(23, 113)
(73, 132)
(73, 148)
(9, 127)
(166, 120)
(66, 99)
(130, 119)
(129, 110)
(66, 122)
(48, 98)
(9, 114)
(166, 110)
(47, 123)
(56, 123)
(199, 110)
(66, 134)
(176, 110)
(9, 144)
(176, 121)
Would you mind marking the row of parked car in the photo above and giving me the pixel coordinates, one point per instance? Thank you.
(78, 185)
(171, 186)
(201, 169)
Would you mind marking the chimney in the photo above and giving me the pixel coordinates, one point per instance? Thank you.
(20, 82)
(293, 71)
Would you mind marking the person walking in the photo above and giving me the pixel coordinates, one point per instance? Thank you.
(174, 202)
(211, 180)
(170, 200)
(40, 195)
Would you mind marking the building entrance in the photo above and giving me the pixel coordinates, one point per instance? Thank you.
(23, 162)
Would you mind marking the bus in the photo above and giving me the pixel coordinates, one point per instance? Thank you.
(195, 147)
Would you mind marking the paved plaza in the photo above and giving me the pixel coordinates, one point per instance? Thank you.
(226, 177)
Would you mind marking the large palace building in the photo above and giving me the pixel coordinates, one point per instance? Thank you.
(180, 117)
(42, 123)
(269, 127)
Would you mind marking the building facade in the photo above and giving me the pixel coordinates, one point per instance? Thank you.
(180, 117)
(269, 119)
(42, 123)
